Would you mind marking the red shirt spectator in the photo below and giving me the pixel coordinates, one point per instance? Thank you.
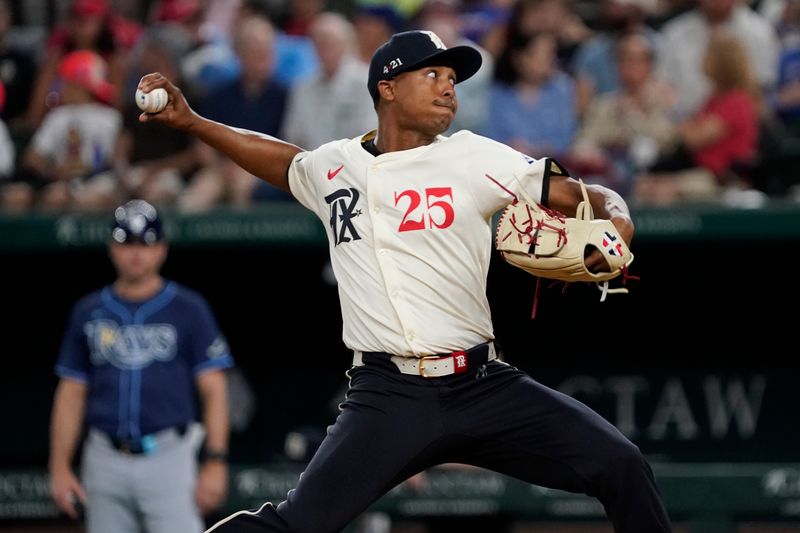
(738, 112)
(90, 25)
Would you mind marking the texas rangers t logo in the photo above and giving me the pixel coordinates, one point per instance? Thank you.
(459, 362)
(437, 42)
(343, 210)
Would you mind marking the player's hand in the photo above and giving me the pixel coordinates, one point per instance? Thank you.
(212, 486)
(177, 114)
(67, 492)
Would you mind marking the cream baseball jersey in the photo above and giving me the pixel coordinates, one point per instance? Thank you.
(410, 235)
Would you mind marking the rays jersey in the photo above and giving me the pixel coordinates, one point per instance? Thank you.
(410, 235)
(140, 359)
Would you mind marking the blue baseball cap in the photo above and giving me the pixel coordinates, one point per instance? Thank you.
(412, 50)
(137, 221)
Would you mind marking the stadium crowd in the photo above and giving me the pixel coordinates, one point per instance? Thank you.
(663, 100)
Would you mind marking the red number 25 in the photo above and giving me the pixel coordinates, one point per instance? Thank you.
(439, 202)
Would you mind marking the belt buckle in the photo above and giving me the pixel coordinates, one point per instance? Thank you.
(145, 445)
(422, 364)
(148, 444)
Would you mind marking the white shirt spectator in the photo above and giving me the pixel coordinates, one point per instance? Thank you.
(97, 126)
(322, 109)
(7, 152)
(685, 39)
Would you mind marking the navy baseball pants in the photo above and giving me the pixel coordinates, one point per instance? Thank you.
(394, 425)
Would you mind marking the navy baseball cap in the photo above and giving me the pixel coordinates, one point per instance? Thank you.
(412, 50)
(137, 221)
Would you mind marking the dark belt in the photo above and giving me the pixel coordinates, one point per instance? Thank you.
(438, 365)
(146, 443)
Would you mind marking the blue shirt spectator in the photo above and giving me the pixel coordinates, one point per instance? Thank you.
(533, 103)
(548, 124)
(261, 111)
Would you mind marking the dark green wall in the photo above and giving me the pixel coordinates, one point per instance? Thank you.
(704, 323)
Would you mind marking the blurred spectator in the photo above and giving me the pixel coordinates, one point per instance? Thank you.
(210, 63)
(220, 17)
(255, 101)
(176, 11)
(151, 161)
(295, 57)
(721, 134)
(405, 8)
(595, 64)
(533, 107)
(486, 23)
(530, 17)
(90, 25)
(772, 10)
(442, 17)
(17, 72)
(63, 165)
(374, 26)
(8, 150)
(335, 104)
(627, 129)
(253, 8)
(685, 39)
(786, 99)
(299, 15)
(775, 172)
(132, 9)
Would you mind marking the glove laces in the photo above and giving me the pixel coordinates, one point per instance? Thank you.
(584, 212)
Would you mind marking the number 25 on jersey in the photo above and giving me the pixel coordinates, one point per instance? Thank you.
(437, 211)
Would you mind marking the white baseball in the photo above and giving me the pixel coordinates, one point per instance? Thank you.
(152, 102)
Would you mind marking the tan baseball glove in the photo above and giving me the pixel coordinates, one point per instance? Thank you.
(550, 245)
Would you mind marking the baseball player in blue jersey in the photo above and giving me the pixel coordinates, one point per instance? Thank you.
(133, 356)
(408, 213)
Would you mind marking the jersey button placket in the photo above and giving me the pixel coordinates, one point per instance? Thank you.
(383, 233)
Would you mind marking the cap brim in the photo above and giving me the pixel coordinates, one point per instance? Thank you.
(464, 60)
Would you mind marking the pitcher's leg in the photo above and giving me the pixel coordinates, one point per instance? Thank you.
(377, 441)
(537, 434)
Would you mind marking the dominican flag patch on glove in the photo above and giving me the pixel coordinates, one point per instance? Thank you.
(612, 244)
